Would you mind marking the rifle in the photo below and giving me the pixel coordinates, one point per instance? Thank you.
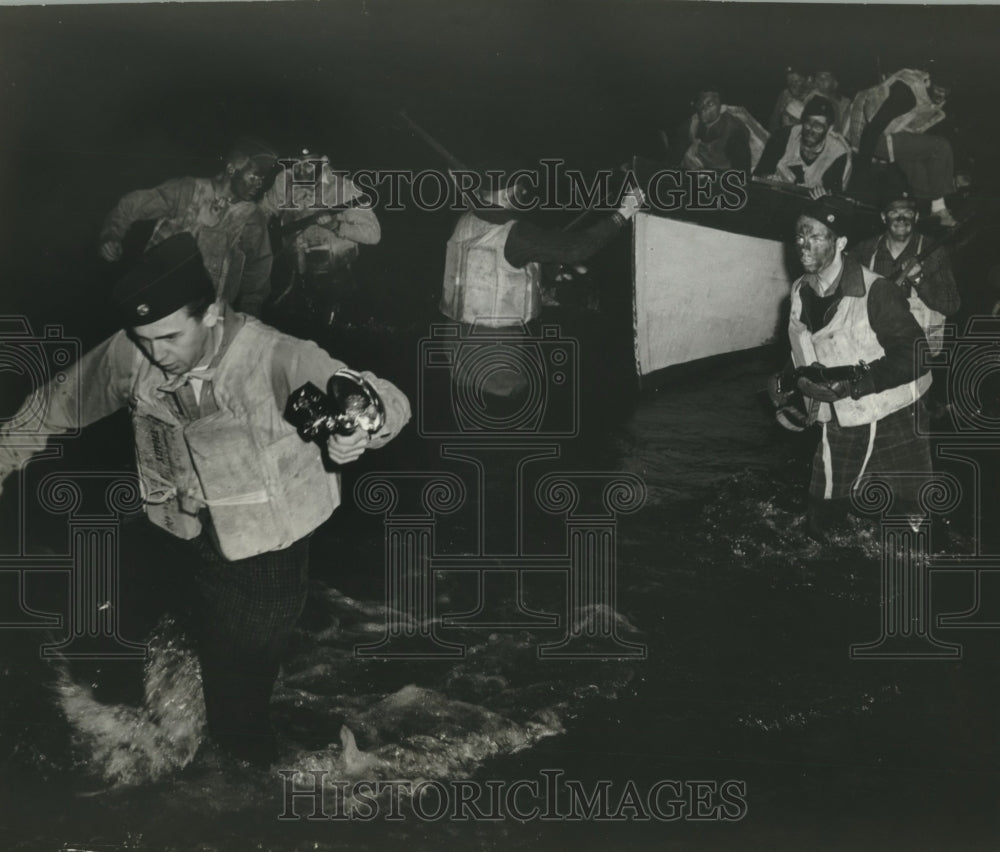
(803, 192)
(296, 225)
(820, 375)
(453, 161)
(957, 235)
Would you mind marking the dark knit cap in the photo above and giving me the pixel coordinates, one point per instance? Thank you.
(165, 278)
(818, 105)
(897, 200)
(836, 214)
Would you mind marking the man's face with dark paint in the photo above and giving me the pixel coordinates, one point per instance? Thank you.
(899, 221)
(709, 107)
(814, 130)
(815, 243)
(249, 178)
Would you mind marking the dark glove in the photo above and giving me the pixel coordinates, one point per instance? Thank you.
(826, 392)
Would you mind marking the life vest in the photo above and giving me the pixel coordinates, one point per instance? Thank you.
(758, 134)
(217, 233)
(930, 320)
(919, 119)
(479, 284)
(758, 137)
(849, 339)
(835, 146)
(263, 486)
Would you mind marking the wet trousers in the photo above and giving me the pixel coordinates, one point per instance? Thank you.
(240, 613)
(248, 609)
(857, 462)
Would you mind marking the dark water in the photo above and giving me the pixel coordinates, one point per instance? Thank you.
(746, 621)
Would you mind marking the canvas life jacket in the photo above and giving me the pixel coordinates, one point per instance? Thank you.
(758, 136)
(480, 286)
(263, 486)
(849, 339)
(835, 146)
(919, 119)
(930, 320)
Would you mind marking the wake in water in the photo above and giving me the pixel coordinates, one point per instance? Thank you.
(426, 719)
(127, 745)
(352, 716)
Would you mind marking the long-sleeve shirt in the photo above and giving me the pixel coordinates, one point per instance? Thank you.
(900, 101)
(101, 382)
(936, 285)
(889, 316)
(346, 230)
(193, 205)
(527, 243)
(723, 145)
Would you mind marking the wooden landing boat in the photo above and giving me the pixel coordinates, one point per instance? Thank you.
(714, 283)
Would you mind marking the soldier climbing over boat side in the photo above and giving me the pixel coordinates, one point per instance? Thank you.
(220, 212)
(904, 120)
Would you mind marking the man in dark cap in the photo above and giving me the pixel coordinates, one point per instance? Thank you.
(844, 315)
(223, 215)
(828, 86)
(231, 491)
(927, 282)
(811, 154)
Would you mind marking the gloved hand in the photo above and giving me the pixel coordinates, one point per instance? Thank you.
(792, 417)
(111, 251)
(826, 392)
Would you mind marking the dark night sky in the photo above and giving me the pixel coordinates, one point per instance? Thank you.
(98, 100)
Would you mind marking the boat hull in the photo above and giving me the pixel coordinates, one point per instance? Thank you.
(700, 292)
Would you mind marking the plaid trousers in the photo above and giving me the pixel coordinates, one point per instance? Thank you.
(890, 450)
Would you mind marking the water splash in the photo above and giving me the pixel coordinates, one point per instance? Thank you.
(126, 745)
